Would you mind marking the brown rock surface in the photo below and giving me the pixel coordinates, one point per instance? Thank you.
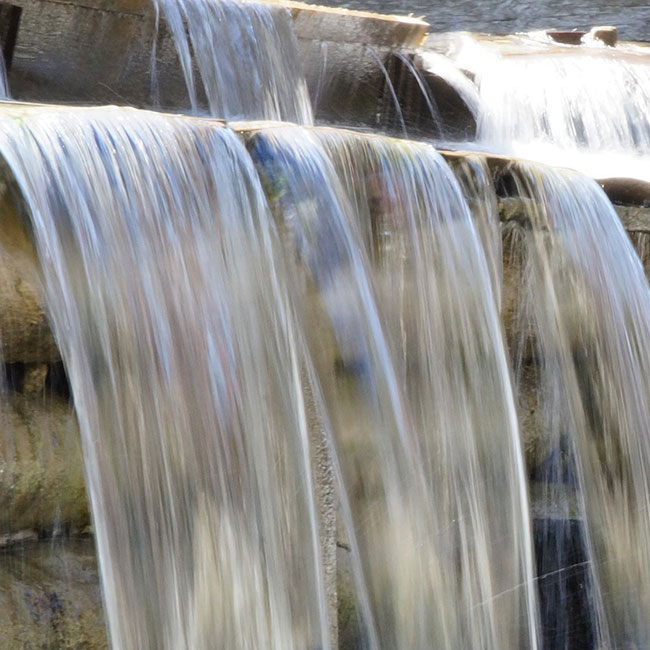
(41, 470)
(24, 331)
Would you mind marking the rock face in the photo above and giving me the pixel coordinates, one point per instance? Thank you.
(41, 471)
(606, 34)
(50, 597)
(42, 485)
(25, 333)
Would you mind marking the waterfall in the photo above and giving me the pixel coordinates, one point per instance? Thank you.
(583, 106)
(583, 317)
(170, 307)
(200, 351)
(461, 341)
(429, 446)
(246, 56)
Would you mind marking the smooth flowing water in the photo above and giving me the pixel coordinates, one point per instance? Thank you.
(171, 311)
(583, 319)
(246, 56)
(203, 339)
(582, 106)
(226, 313)
(421, 403)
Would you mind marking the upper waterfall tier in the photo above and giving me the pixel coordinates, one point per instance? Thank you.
(584, 106)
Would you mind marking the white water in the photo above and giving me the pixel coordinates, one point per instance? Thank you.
(584, 107)
(182, 332)
(429, 448)
(585, 311)
(207, 335)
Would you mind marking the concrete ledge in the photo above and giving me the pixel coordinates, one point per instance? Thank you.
(99, 52)
(320, 23)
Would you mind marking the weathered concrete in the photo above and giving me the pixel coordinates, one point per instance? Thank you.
(96, 52)
(99, 52)
(321, 23)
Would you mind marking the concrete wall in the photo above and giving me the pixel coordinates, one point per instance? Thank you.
(99, 52)
(96, 53)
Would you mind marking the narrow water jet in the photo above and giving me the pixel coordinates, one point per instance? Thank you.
(388, 84)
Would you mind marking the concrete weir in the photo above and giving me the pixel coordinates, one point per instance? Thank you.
(41, 442)
(31, 357)
(100, 52)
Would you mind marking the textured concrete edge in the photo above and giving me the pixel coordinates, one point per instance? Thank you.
(320, 22)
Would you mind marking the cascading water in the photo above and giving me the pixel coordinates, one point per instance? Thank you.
(445, 68)
(214, 341)
(246, 55)
(154, 256)
(171, 310)
(584, 324)
(589, 99)
(429, 446)
(582, 106)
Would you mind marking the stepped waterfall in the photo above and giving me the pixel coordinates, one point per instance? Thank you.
(335, 389)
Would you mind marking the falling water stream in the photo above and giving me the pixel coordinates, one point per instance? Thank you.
(239, 306)
(431, 457)
(246, 56)
(156, 244)
(172, 314)
(582, 106)
(587, 311)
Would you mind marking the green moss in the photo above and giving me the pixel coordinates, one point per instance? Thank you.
(349, 622)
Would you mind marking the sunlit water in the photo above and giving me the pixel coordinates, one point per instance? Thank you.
(584, 323)
(189, 344)
(171, 311)
(216, 306)
(246, 57)
(428, 443)
(583, 106)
